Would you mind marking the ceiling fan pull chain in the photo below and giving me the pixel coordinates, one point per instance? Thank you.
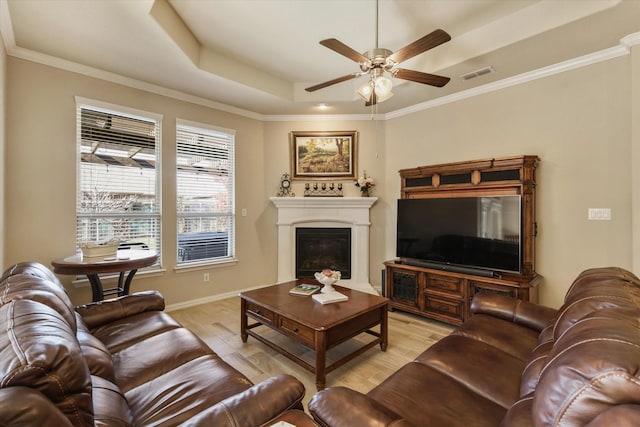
(377, 24)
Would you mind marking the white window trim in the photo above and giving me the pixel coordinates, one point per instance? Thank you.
(222, 262)
(107, 107)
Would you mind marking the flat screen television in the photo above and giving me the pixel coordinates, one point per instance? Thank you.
(469, 233)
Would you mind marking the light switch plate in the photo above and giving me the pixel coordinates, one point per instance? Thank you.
(599, 214)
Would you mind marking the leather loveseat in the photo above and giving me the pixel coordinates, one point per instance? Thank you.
(516, 364)
(119, 362)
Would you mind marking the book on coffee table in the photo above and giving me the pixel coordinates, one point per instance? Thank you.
(329, 297)
(303, 289)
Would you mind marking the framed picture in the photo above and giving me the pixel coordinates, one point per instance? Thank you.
(324, 155)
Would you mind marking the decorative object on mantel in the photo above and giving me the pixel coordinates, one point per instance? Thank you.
(104, 249)
(285, 186)
(323, 190)
(365, 183)
(327, 277)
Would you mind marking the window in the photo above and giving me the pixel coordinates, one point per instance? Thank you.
(118, 194)
(205, 193)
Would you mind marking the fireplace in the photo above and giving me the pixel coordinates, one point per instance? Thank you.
(350, 213)
(320, 248)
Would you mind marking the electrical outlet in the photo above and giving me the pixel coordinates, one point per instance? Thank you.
(205, 278)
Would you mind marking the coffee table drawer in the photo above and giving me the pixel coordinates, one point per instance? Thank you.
(261, 313)
(297, 330)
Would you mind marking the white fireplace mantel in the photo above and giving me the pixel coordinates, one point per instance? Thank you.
(325, 212)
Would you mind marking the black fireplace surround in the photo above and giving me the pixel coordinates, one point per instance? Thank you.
(320, 248)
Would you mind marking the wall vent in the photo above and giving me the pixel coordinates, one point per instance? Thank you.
(478, 73)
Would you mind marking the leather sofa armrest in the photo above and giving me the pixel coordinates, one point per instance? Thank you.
(524, 313)
(255, 406)
(343, 407)
(25, 407)
(102, 312)
(627, 415)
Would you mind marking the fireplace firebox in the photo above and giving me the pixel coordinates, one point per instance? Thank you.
(320, 248)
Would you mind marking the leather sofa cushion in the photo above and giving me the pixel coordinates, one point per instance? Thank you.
(593, 290)
(145, 360)
(95, 353)
(579, 383)
(110, 407)
(127, 331)
(513, 339)
(38, 349)
(26, 407)
(425, 396)
(276, 395)
(487, 370)
(36, 283)
(536, 363)
(189, 389)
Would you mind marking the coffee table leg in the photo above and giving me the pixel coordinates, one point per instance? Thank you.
(243, 320)
(321, 353)
(384, 328)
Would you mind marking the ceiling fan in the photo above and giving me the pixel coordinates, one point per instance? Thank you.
(377, 62)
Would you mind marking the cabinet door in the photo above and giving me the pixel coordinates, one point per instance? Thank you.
(403, 286)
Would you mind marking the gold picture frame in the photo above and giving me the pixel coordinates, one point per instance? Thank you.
(324, 155)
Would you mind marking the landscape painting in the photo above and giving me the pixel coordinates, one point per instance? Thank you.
(324, 155)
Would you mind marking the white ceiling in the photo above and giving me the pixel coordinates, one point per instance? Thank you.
(259, 55)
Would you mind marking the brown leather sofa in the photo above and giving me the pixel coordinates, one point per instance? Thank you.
(516, 364)
(120, 362)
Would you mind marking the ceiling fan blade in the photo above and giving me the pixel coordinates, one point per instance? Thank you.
(334, 81)
(431, 40)
(420, 77)
(337, 46)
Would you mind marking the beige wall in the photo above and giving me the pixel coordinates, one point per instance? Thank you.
(3, 92)
(578, 122)
(41, 176)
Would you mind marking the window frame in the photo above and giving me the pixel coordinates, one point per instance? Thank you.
(157, 214)
(210, 130)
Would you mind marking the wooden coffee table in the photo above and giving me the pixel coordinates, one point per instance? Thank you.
(319, 327)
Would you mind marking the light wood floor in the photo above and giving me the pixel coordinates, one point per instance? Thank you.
(218, 324)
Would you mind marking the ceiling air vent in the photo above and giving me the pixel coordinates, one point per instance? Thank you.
(478, 73)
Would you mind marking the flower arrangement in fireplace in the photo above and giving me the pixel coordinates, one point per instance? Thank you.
(365, 183)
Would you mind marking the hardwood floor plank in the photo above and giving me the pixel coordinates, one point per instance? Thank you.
(218, 324)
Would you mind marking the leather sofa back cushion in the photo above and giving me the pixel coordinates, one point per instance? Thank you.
(578, 383)
(97, 356)
(593, 290)
(38, 349)
(34, 282)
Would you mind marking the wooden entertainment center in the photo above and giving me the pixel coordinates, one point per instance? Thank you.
(446, 295)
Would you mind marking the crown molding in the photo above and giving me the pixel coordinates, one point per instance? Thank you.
(6, 28)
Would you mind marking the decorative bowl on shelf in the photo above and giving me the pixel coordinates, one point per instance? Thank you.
(327, 277)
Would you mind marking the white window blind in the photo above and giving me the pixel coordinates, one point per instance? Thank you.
(118, 178)
(205, 194)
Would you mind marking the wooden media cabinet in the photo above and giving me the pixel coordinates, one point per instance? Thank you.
(446, 295)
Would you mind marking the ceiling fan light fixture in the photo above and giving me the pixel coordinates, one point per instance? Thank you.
(381, 98)
(383, 86)
(366, 90)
